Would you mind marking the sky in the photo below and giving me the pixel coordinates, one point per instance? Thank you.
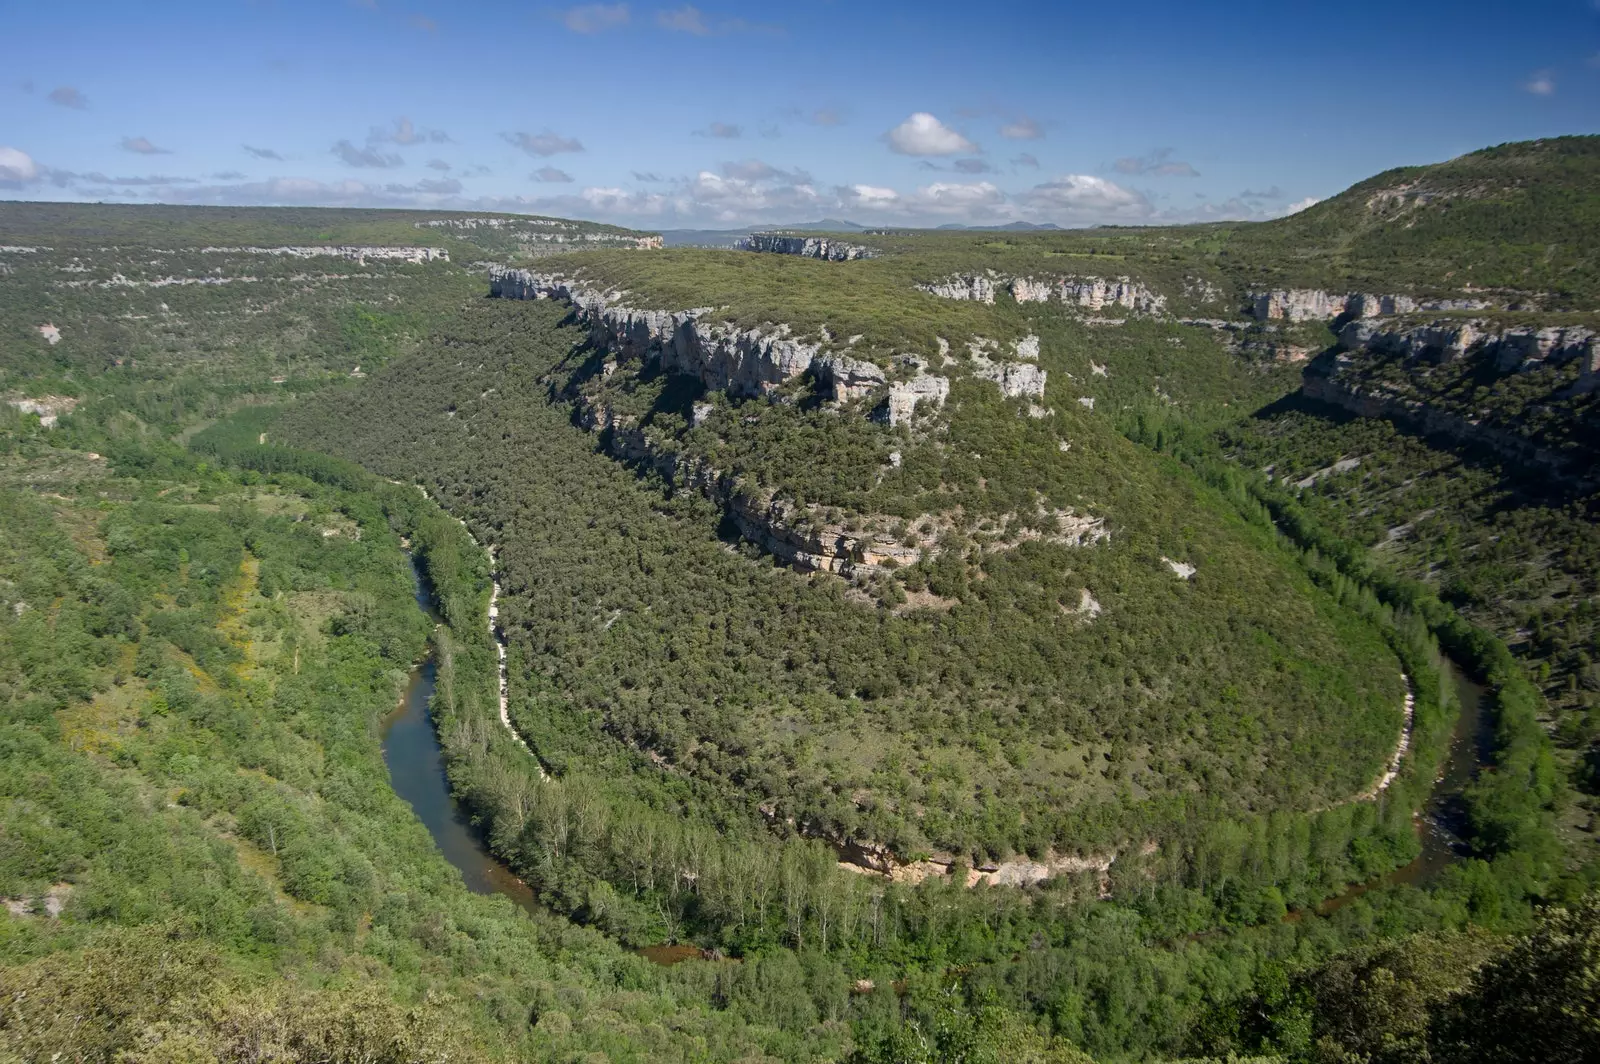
(731, 113)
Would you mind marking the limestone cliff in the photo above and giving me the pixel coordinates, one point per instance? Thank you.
(1405, 371)
(751, 363)
(1090, 293)
(1516, 348)
(1314, 304)
(809, 247)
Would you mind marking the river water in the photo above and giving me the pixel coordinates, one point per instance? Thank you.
(1440, 823)
(415, 760)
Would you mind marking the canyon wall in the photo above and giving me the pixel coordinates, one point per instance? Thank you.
(809, 247)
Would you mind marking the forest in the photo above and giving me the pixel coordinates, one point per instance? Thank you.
(812, 786)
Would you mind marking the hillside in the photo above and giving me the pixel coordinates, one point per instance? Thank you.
(1127, 644)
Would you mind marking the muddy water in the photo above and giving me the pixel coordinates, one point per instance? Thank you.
(415, 761)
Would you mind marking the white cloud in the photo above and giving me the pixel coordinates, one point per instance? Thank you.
(543, 144)
(369, 156)
(142, 146)
(686, 19)
(1079, 198)
(67, 96)
(1540, 83)
(1022, 128)
(979, 200)
(1158, 163)
(595, 18)
(867, 196)
(405, 133)
(923, 134)
(756, 170)
(551, 174)
(17, 167)
(1299, 205)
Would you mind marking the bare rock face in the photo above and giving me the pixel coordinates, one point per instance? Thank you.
(1094, 293)
(976, 288)
(741, 362)
(1026, 348)
(810, 247)
(847, 378)
(1091, 293)
(1014, 379)
(905, 395)
(1314, 304)
(356, 253)
(1515, 348)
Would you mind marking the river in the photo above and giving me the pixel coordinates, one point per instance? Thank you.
(415, 761)
(1440, 822)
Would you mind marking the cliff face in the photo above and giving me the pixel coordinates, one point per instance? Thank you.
(809, 247)
(752, 363)
(1313, 304)
(1090, 293)
(1518, 348)
(1406, 371)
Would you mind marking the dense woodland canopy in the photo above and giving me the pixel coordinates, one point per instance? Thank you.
(208, 613)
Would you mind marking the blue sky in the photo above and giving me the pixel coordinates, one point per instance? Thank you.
(730, 112)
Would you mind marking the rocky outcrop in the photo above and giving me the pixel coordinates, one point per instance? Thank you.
(905, 396)
(809, 247)
(48, 408)
(1090, 293)
(1015, 380)
(357, 253)
(1314, 304)
(847, 378)
(746, 362)
(1332, 379)
(976, 288)
(1094, 293)
(1516, 348)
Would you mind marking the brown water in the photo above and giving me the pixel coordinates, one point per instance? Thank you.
(415, 761)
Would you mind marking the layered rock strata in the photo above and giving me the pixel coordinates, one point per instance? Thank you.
(809, 247)
(1314, 304)
(1090, 293)
(1515, 348)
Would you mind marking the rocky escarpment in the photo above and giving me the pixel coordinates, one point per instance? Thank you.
(1516, 348)
(1314, 304)
(748, 362)
(356, 253)
(1090, 293)
(1361, 376)
(809, 247)
(752, 363)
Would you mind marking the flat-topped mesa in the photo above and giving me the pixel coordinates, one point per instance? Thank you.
(1314, 304)
(809, 247)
